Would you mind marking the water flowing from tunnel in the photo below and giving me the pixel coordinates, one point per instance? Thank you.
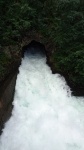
(45, 115)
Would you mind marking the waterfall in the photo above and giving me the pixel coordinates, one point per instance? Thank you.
(45, 115)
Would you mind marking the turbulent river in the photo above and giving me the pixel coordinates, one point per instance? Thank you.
(45, 115)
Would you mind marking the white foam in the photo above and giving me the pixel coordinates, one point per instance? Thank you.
(45, 115)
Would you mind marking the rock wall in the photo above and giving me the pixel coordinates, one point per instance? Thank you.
(6, 98)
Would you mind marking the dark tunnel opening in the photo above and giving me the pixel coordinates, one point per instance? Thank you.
(34, 48)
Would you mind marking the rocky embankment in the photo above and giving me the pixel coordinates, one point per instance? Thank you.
(6, 98)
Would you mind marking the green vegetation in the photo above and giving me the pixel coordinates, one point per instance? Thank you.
(15, 19)
(59, 21)
(4, 62)
(69, 55)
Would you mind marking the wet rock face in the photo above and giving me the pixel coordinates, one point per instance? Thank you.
(6, 98)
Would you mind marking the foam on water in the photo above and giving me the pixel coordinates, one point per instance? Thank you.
(45, 115)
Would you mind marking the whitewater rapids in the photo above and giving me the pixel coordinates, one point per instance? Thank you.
(45, 115)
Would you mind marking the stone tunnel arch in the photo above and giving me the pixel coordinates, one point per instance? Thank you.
(37, 47)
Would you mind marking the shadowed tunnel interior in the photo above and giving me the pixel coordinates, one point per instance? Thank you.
(33, 48)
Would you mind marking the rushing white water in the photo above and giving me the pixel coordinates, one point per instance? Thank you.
(45, 115)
